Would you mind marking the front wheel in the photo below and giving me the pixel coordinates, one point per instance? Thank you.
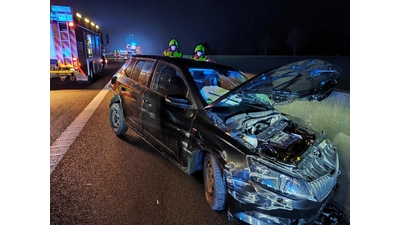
(214, 183)
(117, 120)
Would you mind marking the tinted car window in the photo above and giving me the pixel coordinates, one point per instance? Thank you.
(145, 73)
(129, 68)
(168, 80)
(136, 71)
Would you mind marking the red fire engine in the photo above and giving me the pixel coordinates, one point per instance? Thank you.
(76, 46)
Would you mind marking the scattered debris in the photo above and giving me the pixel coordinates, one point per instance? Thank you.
(332, 215)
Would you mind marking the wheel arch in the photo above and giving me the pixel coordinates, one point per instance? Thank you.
(115, 99)
(116, 117)
(196, 161)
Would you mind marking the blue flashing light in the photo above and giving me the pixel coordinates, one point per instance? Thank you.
(66, 53)
(64, 17)
(61, 9)
(53, 16)
(61, 13)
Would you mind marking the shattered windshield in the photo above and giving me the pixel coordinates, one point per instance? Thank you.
(214, 83)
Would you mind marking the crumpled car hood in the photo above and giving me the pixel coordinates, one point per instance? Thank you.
(311, 79)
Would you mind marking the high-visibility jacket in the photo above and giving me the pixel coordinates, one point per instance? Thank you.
(197, 58)
(170, 53)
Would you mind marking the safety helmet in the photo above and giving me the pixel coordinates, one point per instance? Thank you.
(199, 48)
(173, 42)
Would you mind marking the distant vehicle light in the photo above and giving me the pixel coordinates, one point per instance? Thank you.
(71, 24)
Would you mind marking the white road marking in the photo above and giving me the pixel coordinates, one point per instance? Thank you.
(62, 144)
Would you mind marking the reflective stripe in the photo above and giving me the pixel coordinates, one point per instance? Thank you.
(57, 44)
(72, 38)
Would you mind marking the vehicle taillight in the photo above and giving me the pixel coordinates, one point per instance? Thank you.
(75, 62)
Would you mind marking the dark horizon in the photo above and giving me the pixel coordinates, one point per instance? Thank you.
(227, 28)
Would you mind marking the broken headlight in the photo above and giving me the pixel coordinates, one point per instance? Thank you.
(279, 182)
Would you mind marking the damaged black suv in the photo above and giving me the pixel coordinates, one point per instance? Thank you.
(256, 161)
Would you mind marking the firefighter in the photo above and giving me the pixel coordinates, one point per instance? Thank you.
(199, 54)
(172, 50)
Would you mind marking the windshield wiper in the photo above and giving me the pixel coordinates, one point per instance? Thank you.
(252, 98)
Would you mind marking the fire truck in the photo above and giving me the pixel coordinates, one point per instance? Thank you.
(77, 46)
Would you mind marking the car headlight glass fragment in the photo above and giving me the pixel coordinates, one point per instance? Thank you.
(286, 185)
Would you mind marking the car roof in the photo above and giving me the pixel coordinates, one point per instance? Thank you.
(186, 62)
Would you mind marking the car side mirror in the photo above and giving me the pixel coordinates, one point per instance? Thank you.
(179, 101)
(113, 80)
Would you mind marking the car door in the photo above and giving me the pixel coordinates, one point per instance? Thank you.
(168, 127)
(131, 91)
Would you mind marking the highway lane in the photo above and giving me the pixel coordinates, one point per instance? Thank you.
(68, 99)
(103, 179)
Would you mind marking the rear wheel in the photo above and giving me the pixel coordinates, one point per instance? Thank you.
(214, 183)
(116, 120)
(90, 74)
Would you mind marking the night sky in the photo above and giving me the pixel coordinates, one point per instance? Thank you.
(225, 26)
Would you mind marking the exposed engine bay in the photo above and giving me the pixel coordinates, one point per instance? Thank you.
(269, 133)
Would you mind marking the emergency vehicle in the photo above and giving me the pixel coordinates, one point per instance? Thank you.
(133, 49)
(76, 46)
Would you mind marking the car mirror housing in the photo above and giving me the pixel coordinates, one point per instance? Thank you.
(114, 80)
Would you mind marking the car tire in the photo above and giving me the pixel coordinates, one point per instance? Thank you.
(117, 120)
(214, 183)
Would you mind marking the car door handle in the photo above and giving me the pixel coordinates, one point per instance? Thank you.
(147, 102)
(123, 89)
